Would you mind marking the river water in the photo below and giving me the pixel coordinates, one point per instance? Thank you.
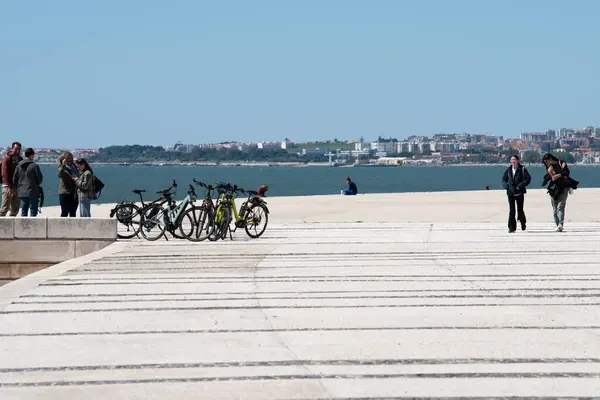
(302, 181)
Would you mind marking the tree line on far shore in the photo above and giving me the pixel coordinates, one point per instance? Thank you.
(144, 153)
(141, 153)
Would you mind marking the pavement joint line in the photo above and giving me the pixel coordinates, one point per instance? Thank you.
(317, 377)
(298, 307)
(188, 299)
(294, 362)
(303, 330)
(33, 295)
(341, 279)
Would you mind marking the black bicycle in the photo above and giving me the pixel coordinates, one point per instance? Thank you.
(129, 214)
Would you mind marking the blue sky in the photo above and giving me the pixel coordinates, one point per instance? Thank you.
(86, 74)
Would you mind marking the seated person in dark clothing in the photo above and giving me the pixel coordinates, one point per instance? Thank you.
(352, 190)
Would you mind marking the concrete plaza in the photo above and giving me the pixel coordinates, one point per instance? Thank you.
(342, 298)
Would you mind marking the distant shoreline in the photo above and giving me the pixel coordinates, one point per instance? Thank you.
(294, 164)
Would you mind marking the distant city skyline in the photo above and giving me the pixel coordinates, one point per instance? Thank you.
(95, 74)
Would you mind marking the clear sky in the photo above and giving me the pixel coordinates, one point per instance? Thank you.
(95, 73)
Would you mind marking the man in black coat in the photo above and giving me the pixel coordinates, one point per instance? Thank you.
(515, 180)
(27, 179)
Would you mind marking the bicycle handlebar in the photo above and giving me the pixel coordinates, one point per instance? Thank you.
(169, 190)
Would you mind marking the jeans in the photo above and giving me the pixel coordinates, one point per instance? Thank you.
(84, 208)
(29, 204)
(349, 193)
(9, 203)
(512, 221)
(68, 205)
(558, 207)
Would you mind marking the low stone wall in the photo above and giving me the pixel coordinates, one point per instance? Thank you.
(30, 244)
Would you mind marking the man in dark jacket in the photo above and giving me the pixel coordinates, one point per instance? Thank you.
(10, 200)
(515, 180)
(28, 178)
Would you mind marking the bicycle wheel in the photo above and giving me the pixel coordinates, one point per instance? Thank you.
(203, 224)
(221, 223)
(128, 220)
(256, 221)
(184, 226)
(153, 223)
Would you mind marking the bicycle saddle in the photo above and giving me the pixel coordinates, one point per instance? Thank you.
(138, 191)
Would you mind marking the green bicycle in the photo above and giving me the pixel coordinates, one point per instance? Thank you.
(253, 215)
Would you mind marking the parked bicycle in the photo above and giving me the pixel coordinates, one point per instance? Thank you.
(202, 216)
(168, 216)
(253, 214)
(129, 214)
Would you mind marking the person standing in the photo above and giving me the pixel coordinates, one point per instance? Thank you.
(28, 179)
(67, 191)
(85, 188)
(515, 180)
(557, 189)
(352, 189)
(10, 199)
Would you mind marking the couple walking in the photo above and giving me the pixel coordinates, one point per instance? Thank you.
(516, 179)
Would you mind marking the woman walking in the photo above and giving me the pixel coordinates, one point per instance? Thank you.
(85, 188)
(515, 181)
(67, 191)
(557, 174)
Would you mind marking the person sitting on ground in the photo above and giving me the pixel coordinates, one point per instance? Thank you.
(262, 191)
(352, 189)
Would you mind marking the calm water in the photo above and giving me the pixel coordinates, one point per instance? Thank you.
(301, 181)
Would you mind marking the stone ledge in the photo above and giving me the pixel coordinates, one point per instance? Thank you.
(82, 228)
(58, 228)
(7, 228)
(19, 258)
(30, 228)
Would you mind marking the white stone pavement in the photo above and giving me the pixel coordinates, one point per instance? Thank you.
(321, 309)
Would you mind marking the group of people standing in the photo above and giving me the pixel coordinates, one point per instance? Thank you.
(22, 181)
(516, 178)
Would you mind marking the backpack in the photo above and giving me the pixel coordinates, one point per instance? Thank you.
(98, 186)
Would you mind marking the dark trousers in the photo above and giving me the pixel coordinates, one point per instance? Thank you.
(519, 201)
(68, 205)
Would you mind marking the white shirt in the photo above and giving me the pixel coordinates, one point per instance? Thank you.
(514, 171)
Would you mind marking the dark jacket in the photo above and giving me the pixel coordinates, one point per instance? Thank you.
(28, 178)
(66, 185)
(352, 187)
(565, 182)
(9, 165)
(85, 186)
(518, 183)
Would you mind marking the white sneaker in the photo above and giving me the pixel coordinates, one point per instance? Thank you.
(559, 228)
(341, 192)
